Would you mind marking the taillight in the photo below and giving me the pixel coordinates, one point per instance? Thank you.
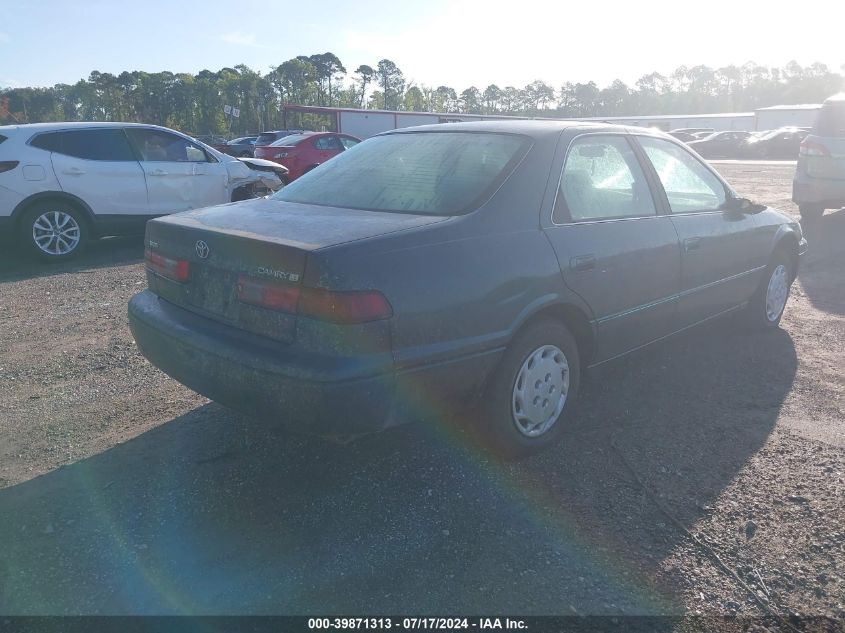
(169, 267)
(281, 297)
(345, 307)
(7, 165)
(358, 306)
(811, 148)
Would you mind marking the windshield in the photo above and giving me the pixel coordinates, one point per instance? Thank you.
(437, 173)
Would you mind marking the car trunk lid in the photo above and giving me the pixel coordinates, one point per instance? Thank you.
(263, 239)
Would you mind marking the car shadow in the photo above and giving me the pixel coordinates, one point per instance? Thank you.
(15, 265)
(214, 513)
(821, 275)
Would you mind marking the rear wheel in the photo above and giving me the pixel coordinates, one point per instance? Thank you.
(810, 212)
(526, 404)
(54, 230)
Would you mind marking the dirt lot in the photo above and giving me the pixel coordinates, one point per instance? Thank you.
(123, 492)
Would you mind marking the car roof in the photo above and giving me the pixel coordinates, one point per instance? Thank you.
(66, 125)
(532, 128)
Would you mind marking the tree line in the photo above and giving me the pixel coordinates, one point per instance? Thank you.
(194, 102)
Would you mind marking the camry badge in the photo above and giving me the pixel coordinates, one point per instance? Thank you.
(202, 249)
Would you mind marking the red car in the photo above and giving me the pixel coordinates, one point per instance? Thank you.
(303, 152)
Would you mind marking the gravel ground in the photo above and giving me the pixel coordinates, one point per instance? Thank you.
(123, 492)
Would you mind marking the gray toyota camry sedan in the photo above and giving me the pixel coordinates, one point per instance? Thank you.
(438, 267)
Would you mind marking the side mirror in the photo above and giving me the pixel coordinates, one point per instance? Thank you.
(742, 205)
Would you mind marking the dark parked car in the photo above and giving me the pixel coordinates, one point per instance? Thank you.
(433, 268)
(694, 130)
(685, 137)
(265, 138)
(819, 181)
(301, 153)
(727, 144)
(782, 144)
(241, 147)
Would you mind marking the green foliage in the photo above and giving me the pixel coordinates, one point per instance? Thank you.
(194, 103)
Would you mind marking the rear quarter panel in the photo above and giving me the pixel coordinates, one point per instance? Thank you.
(459, 289)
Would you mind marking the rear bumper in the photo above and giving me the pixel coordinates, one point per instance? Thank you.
(826, 192)
(255, 376)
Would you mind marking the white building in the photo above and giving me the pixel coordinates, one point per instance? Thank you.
(366, 123)
(774, 117)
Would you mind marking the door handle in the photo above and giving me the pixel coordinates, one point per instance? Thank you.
(692, 244)
(73, 171)
(158, 172)
(583, 262)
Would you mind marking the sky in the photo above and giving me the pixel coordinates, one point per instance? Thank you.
(458, 43)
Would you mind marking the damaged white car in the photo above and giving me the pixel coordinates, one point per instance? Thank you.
(62, 184)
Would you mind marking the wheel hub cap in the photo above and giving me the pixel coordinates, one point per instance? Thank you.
(56, 232)
(776, 293)
(540, 390)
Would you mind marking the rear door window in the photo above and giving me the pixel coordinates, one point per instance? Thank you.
(602, 179)
(109, 144)
(688, 184)
(327, 143)
(106, 144)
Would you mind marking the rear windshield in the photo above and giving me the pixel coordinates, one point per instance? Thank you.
(436, 173)
(831, 120)
(291, 139)
(265, 139)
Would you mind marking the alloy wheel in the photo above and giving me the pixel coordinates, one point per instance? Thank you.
(56, 232)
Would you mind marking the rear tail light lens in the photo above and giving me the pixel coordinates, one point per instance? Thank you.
(169, 267)
(357, 306)
(7, 165)
(811, 148)
(281, 297)
(346, 307)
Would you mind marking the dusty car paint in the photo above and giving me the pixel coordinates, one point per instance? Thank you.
(460, 288)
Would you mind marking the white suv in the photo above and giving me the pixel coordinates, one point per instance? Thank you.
(64, 183)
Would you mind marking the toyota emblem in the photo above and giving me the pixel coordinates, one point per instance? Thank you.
(202, 249)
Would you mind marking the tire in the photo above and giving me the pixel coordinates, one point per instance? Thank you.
(532, 359)
(54, 230)
(766, 307)
(810, 212)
